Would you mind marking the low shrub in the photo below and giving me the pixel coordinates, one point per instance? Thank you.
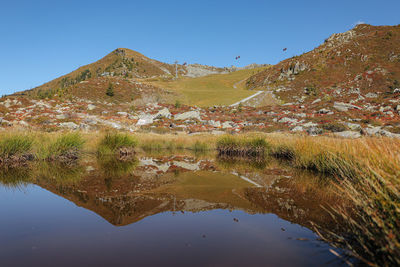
(334, 127)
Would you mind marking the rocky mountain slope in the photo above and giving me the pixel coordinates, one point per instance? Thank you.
(349, 86)
(123, 70)
(361, 63)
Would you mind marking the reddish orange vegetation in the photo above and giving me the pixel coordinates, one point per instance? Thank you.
(367, 57)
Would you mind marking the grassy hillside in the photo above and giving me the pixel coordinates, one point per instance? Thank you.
(366, 59)
(120, 64)
(218, 89)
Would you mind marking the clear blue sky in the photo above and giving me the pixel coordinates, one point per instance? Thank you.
(41, 40)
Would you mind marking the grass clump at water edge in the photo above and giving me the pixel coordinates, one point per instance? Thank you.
(113, 143)
(15, 145)
(242, 147)
(15, 151)
(65, 148)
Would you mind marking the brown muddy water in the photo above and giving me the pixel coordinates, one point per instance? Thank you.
(165, 210)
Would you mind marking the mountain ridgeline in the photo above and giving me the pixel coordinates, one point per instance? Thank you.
(364, 60)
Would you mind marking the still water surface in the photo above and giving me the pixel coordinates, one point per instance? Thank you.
(169, 210)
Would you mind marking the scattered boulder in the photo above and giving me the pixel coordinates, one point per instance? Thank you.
(297, 129)
(371, 130)
(69, 125)
(227, 124)
(344, 106)
(309, 124)
(61, 116)
(288, 120)
(378, 131)
(353, 126)
(90, 121)
(113, 124)
(323, 111)
(145, 119)
(215, 124)
(301, 115)
(292, 70)
(164, 113)
(316, 101)
(188, 115)
(91, 107)
(371, 95)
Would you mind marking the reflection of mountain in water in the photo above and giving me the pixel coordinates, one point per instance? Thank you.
(184, 184)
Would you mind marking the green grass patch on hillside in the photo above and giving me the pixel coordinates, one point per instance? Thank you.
(216, 89)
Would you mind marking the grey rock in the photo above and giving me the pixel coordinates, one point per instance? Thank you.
(292, 70)
(316, 101)
(113, 124)
(164, 113)
(61, 116)
(353, 126)
(90, 121)
(70, 125)
(344, 106)
(133, 117)
(301, 115)
(288, 120)
(370, 130)
(145, 119)
(323, 111)
(227, 124)
(371, 95)
(91, 107)
(90, 168)
(197, 70)
(378, 131)
(188, 115)
(215, 124)
(384, 109)
(309, 124)
(297, 129)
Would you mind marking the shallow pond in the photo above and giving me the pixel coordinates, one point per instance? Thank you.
(164, 210)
